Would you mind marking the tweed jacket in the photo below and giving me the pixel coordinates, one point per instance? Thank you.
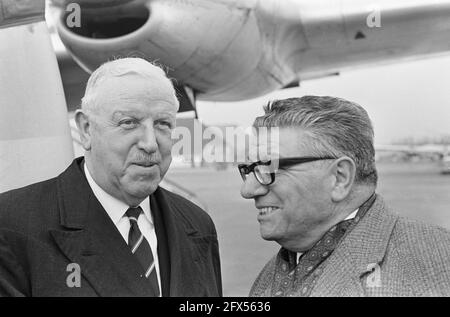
(383, 255)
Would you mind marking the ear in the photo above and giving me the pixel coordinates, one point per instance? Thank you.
(344, 172)
(84, 127)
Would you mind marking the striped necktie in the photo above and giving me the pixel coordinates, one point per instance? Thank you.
(141, 248)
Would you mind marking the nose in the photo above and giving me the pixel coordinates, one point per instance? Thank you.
(147, 140)
(251, 188)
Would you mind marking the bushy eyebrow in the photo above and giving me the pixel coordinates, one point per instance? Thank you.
(116, 115)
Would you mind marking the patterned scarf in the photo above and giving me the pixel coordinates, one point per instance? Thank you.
(292, 279)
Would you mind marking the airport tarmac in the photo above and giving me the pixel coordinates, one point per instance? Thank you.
(416, 190)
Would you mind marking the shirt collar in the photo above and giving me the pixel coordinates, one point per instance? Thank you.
(114, 207)
(352, 215)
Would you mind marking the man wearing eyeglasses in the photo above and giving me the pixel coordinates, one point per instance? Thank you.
(337, 236)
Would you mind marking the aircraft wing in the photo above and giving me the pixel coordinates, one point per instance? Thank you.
(228, 50)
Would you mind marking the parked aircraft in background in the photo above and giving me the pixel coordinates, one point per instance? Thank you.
(438, 151)
(446, 164)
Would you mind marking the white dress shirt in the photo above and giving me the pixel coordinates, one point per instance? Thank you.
(351, 216)
(116, 210)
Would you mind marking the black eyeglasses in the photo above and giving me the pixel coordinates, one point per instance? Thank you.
(264, 170)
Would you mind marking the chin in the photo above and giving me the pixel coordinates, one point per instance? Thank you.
(148, 189)
(267, 236)
(143, 190)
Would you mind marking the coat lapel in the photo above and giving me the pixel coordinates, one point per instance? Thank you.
(358, 255)
(89, 238)
(185, 274)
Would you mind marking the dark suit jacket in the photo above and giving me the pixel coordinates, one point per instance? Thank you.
(47, 226)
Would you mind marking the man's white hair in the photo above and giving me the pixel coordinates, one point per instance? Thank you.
(118, 68)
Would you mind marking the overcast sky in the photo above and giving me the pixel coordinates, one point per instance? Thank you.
(404, 100)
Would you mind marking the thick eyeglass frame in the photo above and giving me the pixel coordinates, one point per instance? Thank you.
(245, 169)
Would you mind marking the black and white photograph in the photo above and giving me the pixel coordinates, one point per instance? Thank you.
(240, 149)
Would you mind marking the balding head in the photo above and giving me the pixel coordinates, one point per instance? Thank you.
(119, 68)
(125, 123)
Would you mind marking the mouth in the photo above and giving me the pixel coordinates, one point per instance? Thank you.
(145, 164)
(266, 211)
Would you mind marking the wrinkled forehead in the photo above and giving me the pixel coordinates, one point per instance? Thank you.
(133, 89)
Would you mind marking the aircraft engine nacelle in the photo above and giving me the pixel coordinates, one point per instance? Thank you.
(238, 49)
(218, 48)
